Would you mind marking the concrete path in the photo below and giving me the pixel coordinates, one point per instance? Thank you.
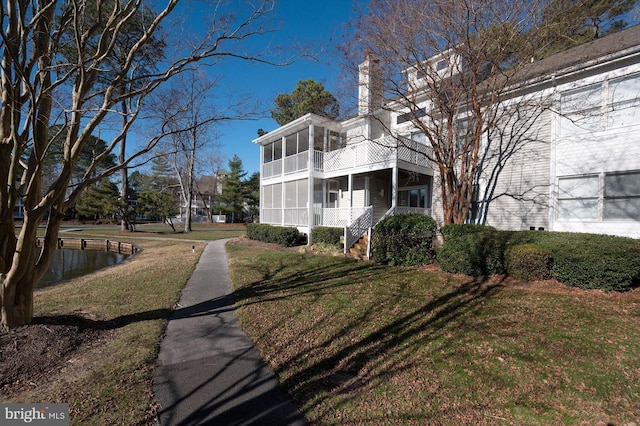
(209, 372)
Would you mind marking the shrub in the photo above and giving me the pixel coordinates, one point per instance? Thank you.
(477, 253)
(528, 262)
(587, 261)
(405, 239)
(285, 236)
(327, 235)
(459, 229)
(590, 261)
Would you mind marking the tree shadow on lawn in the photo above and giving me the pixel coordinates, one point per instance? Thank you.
(209, 307)
(276, 284)
(361, 360)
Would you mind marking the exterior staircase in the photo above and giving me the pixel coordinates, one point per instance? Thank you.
(359, 249)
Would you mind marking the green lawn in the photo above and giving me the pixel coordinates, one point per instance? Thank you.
(356, 343)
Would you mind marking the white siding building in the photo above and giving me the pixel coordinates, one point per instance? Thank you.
(578, 172)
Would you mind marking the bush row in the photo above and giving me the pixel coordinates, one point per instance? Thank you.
(405, 239)
(285, 236)
(587, 261)
(327, 235)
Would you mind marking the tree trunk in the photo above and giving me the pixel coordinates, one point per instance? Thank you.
(187, 214)
(124, 174)
(17, 301)
(19, 282)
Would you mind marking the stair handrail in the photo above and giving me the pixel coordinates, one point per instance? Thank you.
(357, 228)
(390, 212)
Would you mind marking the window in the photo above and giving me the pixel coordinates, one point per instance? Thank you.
(272, 196)
(412, 197)
(272, 152)
(441, 65)
(624, 100)
(296, 194)
(581, 110)
(608, 196)
(297, 143)
(336, 141)
(408, 116)
(578, 197)
(318, 138)
(622, 196)
(462, 135)
(419, 137)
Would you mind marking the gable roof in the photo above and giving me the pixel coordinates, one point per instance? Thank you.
(599, 51)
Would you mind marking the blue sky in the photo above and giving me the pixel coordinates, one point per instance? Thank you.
(304, 22)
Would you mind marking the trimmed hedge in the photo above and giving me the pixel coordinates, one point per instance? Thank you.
(327, 235)
(528, 262)
(459, 229)
(592, 261)
(478, 253)
(404, 239)
(285, 236)
(587, 261)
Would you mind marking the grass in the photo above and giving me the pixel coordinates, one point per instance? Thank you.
(200, 232)
(133, 300)
(356, 343)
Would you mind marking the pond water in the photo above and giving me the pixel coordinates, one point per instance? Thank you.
(68, 263)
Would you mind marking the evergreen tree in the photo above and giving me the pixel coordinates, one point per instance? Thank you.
(569, 23)
(252, 194)
(308, 96)
(99, 201)
(233, 195)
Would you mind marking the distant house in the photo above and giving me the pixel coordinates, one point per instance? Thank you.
(580, 172)
(205, 206)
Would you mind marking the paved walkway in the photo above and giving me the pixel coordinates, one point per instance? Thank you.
(209, 372)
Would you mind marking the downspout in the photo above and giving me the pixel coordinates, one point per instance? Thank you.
(552, 160)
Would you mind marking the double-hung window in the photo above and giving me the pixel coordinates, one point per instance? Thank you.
(622, 196)
(607, 196)
(581, 110)
(578, 197)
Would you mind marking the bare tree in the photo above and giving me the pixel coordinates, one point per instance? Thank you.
(210, 184)
(43, 86)
(188, 109)
(452, 69)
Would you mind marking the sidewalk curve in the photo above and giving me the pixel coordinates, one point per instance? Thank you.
(209, 372)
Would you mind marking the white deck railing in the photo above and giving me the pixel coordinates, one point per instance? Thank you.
(333, 217)
(296, 163)
(358, 154)
(412, 210)
(273, 168)
(336, 217)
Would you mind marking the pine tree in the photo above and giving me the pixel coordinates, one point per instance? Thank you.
(233, 189)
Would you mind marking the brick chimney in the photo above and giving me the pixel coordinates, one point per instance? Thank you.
(370, 88)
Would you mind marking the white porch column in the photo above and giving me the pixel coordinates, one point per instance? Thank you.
(283, 150)
(350, 180)
(260, 194)
(367, 195)
(310, 187)
(394, 186)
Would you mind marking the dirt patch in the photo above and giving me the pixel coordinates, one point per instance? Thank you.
(34, 354)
